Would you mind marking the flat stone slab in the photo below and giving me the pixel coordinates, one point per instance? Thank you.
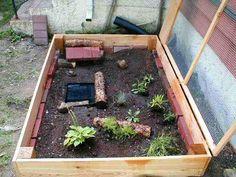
(40, 30)
(230, 173)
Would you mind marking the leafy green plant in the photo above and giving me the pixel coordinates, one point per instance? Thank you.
(12, 35)
(158, 102)
(141, 87)
(110, 124)
(133, 116)
(77, 135)
(169, 117)
(121, 98)
(148, 78)
(163, 146)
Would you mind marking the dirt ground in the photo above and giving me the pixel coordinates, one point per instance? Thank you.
(55, 124)
(20, 64)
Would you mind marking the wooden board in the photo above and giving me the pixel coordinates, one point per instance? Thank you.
(185, 165)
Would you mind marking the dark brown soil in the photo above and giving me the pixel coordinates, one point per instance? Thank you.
(55, 125)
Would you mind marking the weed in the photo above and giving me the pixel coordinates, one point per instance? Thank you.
(17, 102)
(12, 35)
(158, 102)
(110, 124)
(141, 87)
(169, 117)
(121, 98)
(163, 146)
(6, 10)
(5, 144)
(4, 159)
(77, 135)
(133, 116)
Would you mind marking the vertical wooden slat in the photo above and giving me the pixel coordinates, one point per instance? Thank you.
(170, 20)
(207, 37)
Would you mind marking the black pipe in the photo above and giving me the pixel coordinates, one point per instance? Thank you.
(128, 26)
(15, 9)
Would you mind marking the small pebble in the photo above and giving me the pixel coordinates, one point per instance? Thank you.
(71, 73)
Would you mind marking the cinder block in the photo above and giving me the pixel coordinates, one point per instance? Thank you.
(41, 34)
(40, 26)
(36, 128)
(41, 111)
(41, 41)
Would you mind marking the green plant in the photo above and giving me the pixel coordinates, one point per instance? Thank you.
(148, 78)
(140, 87)
(121, 98)
(77, 135)
(12, 35)
(163, 146)
(110, 124)
(133, 116)
(169, 117)
(158, 102)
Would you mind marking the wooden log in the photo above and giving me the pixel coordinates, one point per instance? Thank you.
(100, 95)
(63, 107)
(140, 129)
(62, 63)
(83, 43)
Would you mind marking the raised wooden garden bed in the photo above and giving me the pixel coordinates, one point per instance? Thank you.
(28, 162)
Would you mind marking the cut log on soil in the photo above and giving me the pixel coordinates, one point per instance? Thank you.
(62, 63)
(83, 43)
(140, 129)
(63, 107)
(100, 95)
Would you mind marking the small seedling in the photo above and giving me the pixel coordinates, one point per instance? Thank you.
(77, 135)
(148, 78)
(133, 116)
(121, 98)
(158, 102)
(169, 117)
(140, 88)
(12, 35)
(163, 146)
(110, 124)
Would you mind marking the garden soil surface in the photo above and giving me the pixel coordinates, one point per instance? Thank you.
(55, 125)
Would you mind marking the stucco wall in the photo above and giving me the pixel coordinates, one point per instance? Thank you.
(217, 84)
(65, 15)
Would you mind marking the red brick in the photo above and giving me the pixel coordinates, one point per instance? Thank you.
(184, 132)
(83, 53)
(52, 69)
(108, 49)
(32, 142)
(36, 128)
(164, 79)
(49, 83)
(45, 95)
(174, 103)
(41, 111)
(39, 18)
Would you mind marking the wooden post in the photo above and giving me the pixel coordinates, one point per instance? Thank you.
(225, 139)
(169, 22)
(206, 39)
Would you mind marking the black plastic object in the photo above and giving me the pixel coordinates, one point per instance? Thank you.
(128, 26)
(80, 92)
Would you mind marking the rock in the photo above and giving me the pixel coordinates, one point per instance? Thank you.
(90, 109)
(63, 107)
(122, 64)
(9, 128)
(71, 73)
(230, 173)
